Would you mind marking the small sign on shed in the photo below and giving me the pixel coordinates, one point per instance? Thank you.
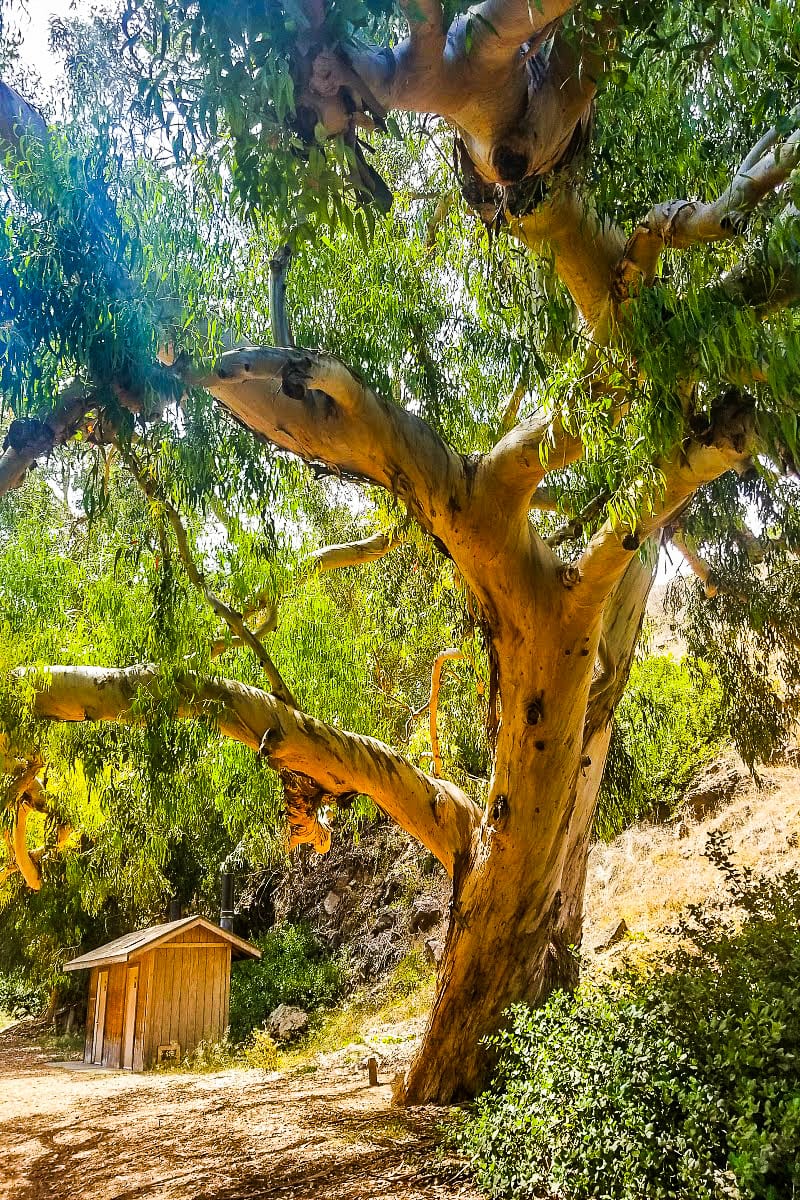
(159, 988)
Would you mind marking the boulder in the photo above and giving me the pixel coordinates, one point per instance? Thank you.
(286, 1023)
(434, 949)
(425, 914)
(331, 903)
(714, 786)
(613, 936)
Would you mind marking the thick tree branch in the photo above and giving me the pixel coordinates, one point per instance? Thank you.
(29, 869)
(521, 459)
(436, 812)
(312, 405)
(769, 281)
(278, 313)
(586, 251)
(682, 223)
(574, 528)
(544, 500)
(433, 703)
(728, 445)
(354, 554)
(516, 466)
(29, 439)
(700, 567)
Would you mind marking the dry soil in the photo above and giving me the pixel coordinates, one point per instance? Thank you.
(233, 1135)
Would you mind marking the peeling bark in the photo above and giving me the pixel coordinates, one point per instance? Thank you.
(29, 869)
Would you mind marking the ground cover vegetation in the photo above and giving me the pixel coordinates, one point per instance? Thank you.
(551, 254)
(677, 1078)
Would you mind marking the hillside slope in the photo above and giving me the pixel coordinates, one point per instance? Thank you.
(650, 873)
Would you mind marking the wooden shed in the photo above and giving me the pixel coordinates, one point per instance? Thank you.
(158, 992)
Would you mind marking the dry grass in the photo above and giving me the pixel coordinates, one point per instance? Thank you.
(388, 1025)
(649, 873)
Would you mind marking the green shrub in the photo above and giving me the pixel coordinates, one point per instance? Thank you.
(674, 1083)
(211, 1056)
(295, 968)
(667, 724)
(260, 1051)
(19, 997)
(207, 1057)
(412, 971)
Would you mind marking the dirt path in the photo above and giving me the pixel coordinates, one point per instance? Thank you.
(235, 1135)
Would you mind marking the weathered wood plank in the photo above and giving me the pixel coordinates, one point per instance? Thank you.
(115, 1010)
(194, 984)
(91, 1004)
(226, 989)
(140, 1061)
(155, 1022)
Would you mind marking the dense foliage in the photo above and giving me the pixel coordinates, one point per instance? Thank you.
(678, 1078)
(295, 968)
(18, 997)
(668, 723)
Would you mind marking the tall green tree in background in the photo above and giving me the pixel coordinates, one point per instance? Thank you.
(543, 361)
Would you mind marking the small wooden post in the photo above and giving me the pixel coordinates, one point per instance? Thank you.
(372, 1067)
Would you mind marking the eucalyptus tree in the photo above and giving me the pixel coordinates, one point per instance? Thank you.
(623, 370)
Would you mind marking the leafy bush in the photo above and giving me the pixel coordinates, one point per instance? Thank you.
(211, 1056)
(295, 968)
(19, 997)
(208, 1056)
(682, 1082)
(412, 971)
(667, 723)
(260, 1051)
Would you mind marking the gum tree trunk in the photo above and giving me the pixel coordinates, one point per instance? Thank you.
(517, 911)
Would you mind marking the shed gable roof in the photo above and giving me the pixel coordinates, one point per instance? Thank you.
(125, 947)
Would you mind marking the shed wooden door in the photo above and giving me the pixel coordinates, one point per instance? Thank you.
(100, 1017)
(129, 1031)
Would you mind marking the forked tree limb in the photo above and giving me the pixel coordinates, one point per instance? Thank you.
(683, 223)
(521, 460)
(312, 405)
(434, 811)
(728, 447)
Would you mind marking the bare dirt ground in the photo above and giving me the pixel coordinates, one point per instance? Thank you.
(233, 1135)
(326, 1135)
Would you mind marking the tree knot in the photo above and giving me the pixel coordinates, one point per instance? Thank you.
(534, 713)
(294, 377)
(499, 809)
